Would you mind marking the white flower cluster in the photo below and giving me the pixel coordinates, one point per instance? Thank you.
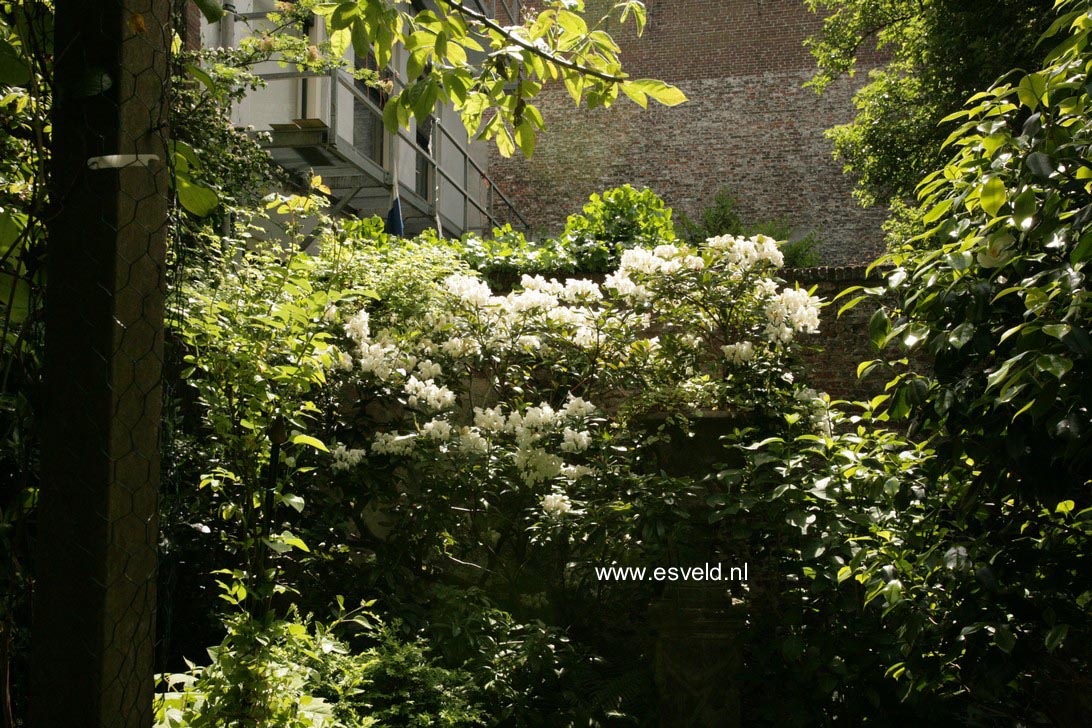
(345, 459)
(746, 253)
(819, 414)
(391, 443)
(739, 353)
(470, 290)
(556, 505)
(358, 327)
(427, 394)
(529, 428)
(792, 311)
(437, 429)
(536, 465)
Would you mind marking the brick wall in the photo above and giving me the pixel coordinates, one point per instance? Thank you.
(831, 356)
(191, 28)
(749, 126)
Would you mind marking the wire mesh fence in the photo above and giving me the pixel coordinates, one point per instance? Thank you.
(93, 633)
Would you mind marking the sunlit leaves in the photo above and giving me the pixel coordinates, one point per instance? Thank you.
(491, 73)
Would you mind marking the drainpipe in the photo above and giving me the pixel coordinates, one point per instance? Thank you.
(227, 26)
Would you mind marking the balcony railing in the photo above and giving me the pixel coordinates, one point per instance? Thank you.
(448, 189)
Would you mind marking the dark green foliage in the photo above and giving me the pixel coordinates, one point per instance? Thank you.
(723, 218)
(295, 674)
(937, 54)
(987, 593)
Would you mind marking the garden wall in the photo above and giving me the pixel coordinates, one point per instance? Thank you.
(842, 342)
(749, 126)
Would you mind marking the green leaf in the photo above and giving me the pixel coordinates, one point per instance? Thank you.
(659, 91)
(294, 502)
(390, 115)
(1058, 331)
(1004, 639)
(14, 70)
(1041, 164)
(1056, 636)
(344, 15)
(1065, 507)
(1054, 364)
(11, 227)
(310, 441)
(879, 326)
(525, 138)
(15, 297)
(1032, 90)
(340, 41)
(639, 97)
(213, 10)
(505, 144)
(195, 198)
(938, 211)
(1025, 207)
(572, 23)
(201, 76)
(961, 335)
(993, 196)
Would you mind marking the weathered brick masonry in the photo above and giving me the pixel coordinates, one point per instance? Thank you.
(749, 126)
(831, 356)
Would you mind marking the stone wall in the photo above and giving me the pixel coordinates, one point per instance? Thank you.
(749, 126)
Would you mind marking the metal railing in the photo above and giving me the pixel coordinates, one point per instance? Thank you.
(460, 173)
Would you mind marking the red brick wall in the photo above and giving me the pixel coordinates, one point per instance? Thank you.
(191, 28)
(749, 126)
(831, 357)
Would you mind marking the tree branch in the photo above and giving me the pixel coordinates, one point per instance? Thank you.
(564, 62)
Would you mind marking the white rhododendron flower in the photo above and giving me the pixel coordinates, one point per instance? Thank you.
(428, 369)
(585, 337)
(574, 441)
(491, 420)
(472, 441)
(556, 504)
(457, 347)
(469, 289)
(538, 283)
(739, 353)
(378, 359)
(792, 311)
(576, 472)
(529, 343)
(357, 326)
(437, 429)
(391, 443)
(529, 300)
(428, 394)
(344, 458)
(576, 290)
(536, 465)
(577, 407)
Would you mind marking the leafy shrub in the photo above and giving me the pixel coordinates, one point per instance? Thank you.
(989, 605)
(723, 218)
(376, 418)
(293, 674)
(616, 220)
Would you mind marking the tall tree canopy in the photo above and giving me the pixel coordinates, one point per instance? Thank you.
(934, 55)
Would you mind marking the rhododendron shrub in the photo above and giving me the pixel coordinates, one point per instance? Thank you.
(488, 424)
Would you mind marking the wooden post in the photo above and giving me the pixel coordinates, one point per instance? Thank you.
(94, 618)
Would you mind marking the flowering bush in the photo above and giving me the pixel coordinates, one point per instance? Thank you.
(386, 422)
(525, 383)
